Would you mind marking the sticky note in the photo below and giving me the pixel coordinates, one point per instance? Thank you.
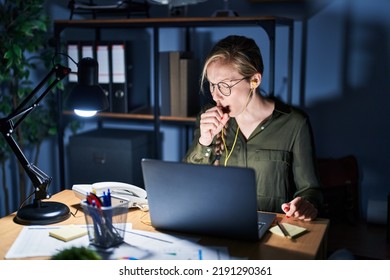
(293, 230)
(67, 233)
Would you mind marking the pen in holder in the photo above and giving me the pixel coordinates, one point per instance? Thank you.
(106, 224)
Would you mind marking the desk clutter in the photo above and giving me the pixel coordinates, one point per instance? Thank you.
(40, 241)
(136, 196)
(107, 233)
(105, 218)
(35, 241)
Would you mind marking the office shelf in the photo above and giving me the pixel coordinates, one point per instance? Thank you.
(267, 23)
(145, 117)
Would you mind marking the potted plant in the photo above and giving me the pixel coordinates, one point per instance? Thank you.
(24, 47)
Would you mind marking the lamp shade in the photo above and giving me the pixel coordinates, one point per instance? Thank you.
(87, 95)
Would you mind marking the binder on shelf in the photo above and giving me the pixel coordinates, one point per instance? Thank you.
(120, 76)
(103, 58)
(87, 49)
(73, 51)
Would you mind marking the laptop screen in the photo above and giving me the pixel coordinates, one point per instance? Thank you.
(202, 199)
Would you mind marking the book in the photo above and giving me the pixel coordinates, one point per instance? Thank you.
(174, 78)
(293, 230)
(67, 233)
(171, 77)
(189, 88)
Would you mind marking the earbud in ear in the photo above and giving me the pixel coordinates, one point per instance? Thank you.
(253, 83)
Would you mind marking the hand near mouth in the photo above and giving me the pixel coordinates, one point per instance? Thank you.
(211, 123)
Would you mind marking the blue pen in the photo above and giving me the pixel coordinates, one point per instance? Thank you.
(200, 254)
(108, 197)
(104, 198)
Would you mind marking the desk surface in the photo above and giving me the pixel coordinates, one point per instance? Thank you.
(311, 245)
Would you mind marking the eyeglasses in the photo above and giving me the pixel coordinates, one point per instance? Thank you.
(223, 87)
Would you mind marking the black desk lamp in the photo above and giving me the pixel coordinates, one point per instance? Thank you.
(47, 212)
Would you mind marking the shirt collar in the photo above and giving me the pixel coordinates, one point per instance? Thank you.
(282, 108)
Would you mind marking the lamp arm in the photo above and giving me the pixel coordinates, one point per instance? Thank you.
(22, 112)
(39, 179)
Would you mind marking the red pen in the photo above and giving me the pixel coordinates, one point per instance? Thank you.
(94, 198)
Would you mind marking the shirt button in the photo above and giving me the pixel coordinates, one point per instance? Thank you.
(207, 154)
(262, 128)
(208, 149)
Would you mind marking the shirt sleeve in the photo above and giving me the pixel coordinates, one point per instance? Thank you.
(198, 153)
(305, 167)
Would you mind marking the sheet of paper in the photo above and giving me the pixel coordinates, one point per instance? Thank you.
(166, 247)
(34, 241)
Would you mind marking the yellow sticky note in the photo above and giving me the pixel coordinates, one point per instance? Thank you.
(293, 230)
(67, 233)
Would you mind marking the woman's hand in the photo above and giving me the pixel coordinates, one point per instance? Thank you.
(211, 123)
(300, 208)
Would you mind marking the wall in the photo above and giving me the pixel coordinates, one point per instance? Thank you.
(345, 89)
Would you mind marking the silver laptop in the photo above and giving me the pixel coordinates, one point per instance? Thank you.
(204, 199)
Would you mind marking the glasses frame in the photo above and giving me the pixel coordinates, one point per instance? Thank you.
(212, 86)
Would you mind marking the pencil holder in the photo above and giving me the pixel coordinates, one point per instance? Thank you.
(106, 225)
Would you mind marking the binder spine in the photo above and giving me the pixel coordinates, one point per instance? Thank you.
(73, 51)
(119, 77)
(87, 49)
(103, 58)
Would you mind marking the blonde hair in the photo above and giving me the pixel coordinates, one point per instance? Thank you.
(245, 56)
(240, 52)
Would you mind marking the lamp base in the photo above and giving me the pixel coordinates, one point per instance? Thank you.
(42, 213)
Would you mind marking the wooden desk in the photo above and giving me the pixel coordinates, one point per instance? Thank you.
(311, 245)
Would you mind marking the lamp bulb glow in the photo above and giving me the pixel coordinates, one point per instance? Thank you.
(85, 114)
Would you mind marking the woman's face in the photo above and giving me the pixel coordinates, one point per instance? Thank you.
(220, 72)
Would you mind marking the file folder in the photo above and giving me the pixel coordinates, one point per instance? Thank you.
(103, 58)
(87, 50)
(139, 70)
(120, 84)
(73, 51)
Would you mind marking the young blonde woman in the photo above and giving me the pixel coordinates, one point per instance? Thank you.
(244, 128)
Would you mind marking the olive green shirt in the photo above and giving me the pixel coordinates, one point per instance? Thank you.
(281, 152)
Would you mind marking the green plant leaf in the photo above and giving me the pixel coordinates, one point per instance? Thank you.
(17, 50)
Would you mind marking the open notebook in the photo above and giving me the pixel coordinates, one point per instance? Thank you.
(204, 199)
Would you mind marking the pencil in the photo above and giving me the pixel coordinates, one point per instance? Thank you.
(283, 229)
